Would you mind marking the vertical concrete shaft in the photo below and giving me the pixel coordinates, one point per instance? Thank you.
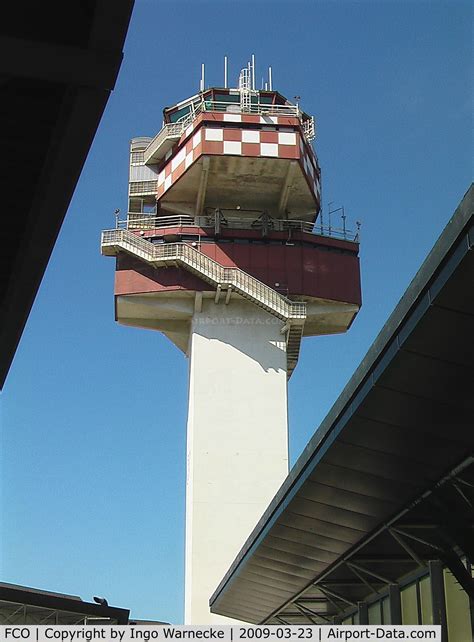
(237, 440)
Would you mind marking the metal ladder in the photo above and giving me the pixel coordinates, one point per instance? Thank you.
(245, 90)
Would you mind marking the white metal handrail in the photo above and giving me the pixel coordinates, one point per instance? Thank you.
(276, 225)
(139, 221)
(175, 130)
(262, 109)
(208, 269)
(309, 128)
(169, 130)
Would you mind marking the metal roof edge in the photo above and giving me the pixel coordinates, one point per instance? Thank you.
(60, 602)
(432, 265)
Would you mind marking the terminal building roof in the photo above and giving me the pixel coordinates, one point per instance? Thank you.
(25, 605)
(386, 483)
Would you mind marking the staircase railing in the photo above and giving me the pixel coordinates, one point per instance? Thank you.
(248, 286)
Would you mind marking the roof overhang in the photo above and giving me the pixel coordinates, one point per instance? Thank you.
(24, 605)
(55, 81)
(388, 457)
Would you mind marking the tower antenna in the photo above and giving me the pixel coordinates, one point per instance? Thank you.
(270, 81)
(253, 71)
(225, 72)
(201, 87)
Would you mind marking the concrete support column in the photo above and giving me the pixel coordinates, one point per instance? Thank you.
(237, 439)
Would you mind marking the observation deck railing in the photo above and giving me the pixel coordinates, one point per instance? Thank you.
(261, 109)
(137, 222)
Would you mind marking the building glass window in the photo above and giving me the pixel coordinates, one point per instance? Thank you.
(409, 605)
(375, 613)
(386, 611)
(457, 610)
(426, 604)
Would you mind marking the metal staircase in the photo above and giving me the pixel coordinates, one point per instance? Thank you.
(180, 254)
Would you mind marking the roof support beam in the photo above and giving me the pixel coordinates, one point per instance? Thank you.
(286, 188)
(9, 617)
(335, 595)
(201, 195)
(307, 615)
(311, 612)
(369, 572)
(406, 547)
(371, 588)
(455, 526)
(281, 620)
(463, 494)
(459, 571)
(417, 539)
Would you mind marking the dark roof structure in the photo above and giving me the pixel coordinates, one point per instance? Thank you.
(387, 482)
(58, 64)
(24, 605)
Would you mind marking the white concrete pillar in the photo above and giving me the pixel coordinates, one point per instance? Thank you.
(237, 440)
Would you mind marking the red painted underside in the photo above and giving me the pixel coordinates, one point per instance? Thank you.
(308, 271)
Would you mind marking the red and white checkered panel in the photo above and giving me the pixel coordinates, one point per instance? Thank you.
(310, 167)
(250, 142)
(179, 163)
(257, 143)
(253, 119)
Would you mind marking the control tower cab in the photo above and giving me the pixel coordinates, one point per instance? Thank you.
(223, 250)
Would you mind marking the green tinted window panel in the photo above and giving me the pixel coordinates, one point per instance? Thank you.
(175, 116)
(386, 611)
(375, 613)
(263, 100)
(409, 605)
(426, 604)
(227, 98)
(457, 610)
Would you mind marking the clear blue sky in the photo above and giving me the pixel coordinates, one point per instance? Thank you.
(93, 436)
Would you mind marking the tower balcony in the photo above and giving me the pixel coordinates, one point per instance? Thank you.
(204, 105)
(219, 221)
(294, 259)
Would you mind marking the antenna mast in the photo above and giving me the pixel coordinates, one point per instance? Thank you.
(201, 87)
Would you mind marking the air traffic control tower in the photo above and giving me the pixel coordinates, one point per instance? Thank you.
(224, 251)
